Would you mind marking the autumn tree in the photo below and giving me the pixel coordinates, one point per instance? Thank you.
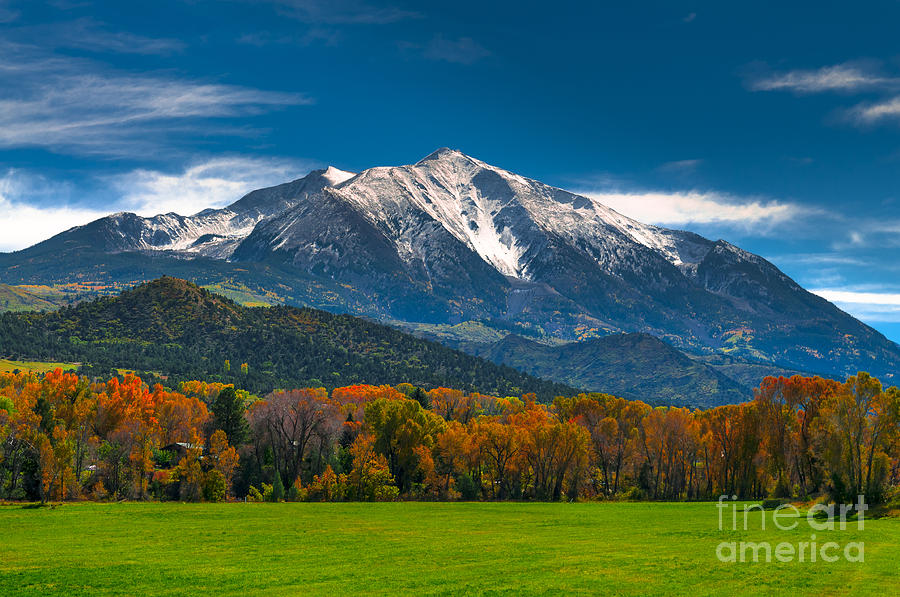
(57, 476)
(189, 474)
(222, 457)
(455, 453)
(400, 426)
(501, 447)
(370, 477)
(63, 437)
(288, 423)
(862, 419)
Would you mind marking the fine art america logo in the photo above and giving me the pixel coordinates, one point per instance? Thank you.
(788, 518)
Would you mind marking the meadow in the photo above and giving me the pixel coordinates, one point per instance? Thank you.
(416, 548)
(7, 366)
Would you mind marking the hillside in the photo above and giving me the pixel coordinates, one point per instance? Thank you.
(177, 330)
(746, 372)
(15, 298)
(636, 366)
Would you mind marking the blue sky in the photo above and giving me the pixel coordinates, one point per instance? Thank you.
(774, 127)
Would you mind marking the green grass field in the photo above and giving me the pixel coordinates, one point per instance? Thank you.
(7, 366)
(414, 548)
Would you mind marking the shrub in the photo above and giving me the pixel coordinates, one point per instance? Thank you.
(387, 493)
(277, 488)
(634, 493)
(159, 484)
(6, 404)
(164, 458)
(214, 486)
(772, 503)
(838, 490)
(253, 495)
(328, 487)
(98, 492)
(467, 488)
(782, 488)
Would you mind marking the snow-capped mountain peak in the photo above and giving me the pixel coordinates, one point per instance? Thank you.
(452, 238)
(503, 217)
(506, 219)
(336, 176)
(443, 153)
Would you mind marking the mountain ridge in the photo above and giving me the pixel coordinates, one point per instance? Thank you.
(451, 239)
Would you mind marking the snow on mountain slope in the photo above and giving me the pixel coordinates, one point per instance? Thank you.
(521, 228)
(335, 176)
(505, 218)
(681, 248)
(216, 233)
(212, 232)
(395, 199)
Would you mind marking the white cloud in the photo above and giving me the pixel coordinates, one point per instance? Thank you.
(858, 233)
(819, 259)
(325, 36)
(875, 112)
(23, 223)
(33, 209)
(851, 296)
(214, 183)
(74, 105)
(847, 78)
(696, 207)
(868, 306)
(840, 77)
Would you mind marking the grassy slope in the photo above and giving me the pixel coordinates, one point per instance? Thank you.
(7, 366)
(30, 297)
(243, 295)
(15, 298)
(414, 548)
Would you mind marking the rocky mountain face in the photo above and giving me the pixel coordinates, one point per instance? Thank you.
(211, 233)
(452, 239)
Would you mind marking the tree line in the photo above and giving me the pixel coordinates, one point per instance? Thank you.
(63, 436)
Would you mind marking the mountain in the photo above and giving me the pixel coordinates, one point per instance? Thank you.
(178, 331)
(635, 366)
(211, 233)
(452, 239)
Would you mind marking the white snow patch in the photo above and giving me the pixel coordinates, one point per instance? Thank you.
(336, 177)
